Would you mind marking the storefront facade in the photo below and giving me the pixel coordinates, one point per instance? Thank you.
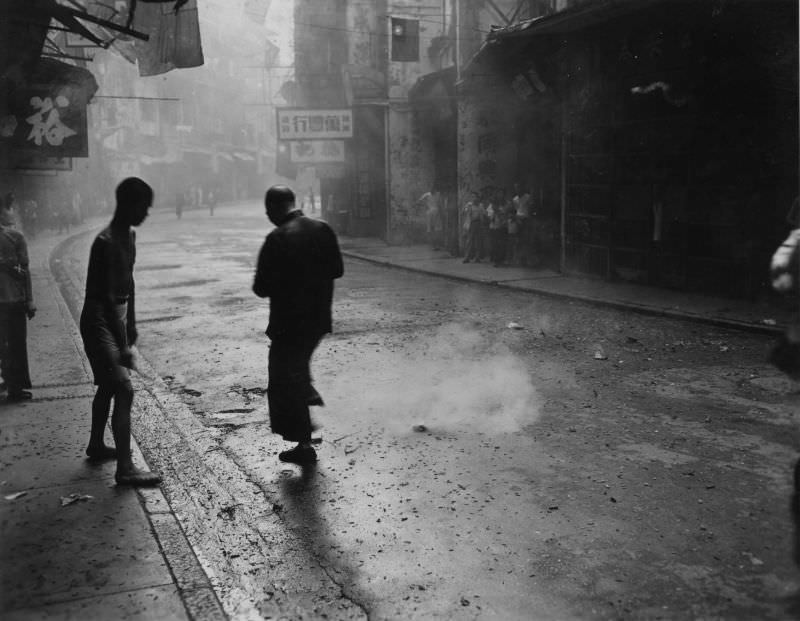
(660, 144)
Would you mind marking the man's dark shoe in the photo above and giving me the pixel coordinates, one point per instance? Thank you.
(299, 455)
(19, 395)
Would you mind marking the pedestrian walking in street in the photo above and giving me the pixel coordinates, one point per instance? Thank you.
(297, 265)
(785, 355)
(108, 329)
(498, 228)
(16, 308)
(212, 202)
(522, 208)
(473, 218)
(180, 202)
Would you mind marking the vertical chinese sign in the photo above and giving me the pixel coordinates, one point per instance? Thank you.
(46, 122)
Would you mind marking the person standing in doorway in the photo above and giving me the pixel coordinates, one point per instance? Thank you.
(297, 265)
(108, 329)
(434, 218)
(473, 218)
(16, 308)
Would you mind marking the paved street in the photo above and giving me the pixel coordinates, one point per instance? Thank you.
(584, 463)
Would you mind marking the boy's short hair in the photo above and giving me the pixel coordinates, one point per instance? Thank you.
(132, 191)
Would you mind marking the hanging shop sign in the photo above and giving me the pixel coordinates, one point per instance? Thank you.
(304, 124)
(317, 151)
(45, 121)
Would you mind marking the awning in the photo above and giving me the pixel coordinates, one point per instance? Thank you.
(564, 22)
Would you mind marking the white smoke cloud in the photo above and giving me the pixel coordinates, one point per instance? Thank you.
(454, 380)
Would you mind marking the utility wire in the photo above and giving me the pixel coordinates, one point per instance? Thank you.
(353, 31)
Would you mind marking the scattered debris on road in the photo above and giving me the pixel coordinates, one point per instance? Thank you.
(73, 498)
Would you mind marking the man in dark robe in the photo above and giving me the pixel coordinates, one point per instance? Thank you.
(297, 265)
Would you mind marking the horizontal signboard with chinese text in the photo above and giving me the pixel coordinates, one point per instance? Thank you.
(303, 124)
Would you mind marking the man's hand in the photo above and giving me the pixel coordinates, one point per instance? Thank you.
(30, 310)
(126, 358)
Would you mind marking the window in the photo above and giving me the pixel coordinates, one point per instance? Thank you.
(405, 40)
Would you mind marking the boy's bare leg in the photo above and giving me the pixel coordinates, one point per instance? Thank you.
(97, 449)
(127, 473)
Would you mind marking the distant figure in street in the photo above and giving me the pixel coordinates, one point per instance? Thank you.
(297, 265)
(30, 217)
(108, 328)
(212, 202)
(473, 215)
(180, 201)
(434, 218)
(16, 307)
(522, 208)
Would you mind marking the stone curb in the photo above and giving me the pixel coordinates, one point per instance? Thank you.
(642, 309)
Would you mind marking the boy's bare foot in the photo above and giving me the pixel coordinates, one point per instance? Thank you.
(101, 453)
(137, 478)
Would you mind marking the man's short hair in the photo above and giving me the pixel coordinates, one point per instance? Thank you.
(133, 191)
(279, 196)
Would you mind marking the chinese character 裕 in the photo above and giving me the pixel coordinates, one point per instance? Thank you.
(345, 122)
(47, 123)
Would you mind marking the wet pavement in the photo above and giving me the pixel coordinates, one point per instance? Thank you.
(651, 481)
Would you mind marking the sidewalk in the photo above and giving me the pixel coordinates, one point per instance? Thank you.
(110, 553)
(729, 313)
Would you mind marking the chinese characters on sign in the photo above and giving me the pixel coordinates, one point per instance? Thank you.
(46, 122)
(317, 151)
(300, 124)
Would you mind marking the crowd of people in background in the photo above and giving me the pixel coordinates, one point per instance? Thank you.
(493, 225)
(36, 215)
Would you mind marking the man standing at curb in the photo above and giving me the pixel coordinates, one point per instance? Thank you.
(297, 265)
(108, 329)
(16, 306)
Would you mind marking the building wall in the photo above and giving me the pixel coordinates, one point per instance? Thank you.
(678, 137)
(411, 165)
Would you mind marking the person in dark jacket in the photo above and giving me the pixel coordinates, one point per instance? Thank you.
(297, 265)
(108, 329)
(16, 306)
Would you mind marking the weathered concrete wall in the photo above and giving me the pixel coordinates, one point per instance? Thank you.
(365, 26)
(487, 142)
(411, 166)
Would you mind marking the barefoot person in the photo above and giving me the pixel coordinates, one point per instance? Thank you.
(296, 268)
(108, 328)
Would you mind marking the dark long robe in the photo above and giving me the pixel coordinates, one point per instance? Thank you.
(297, 265)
